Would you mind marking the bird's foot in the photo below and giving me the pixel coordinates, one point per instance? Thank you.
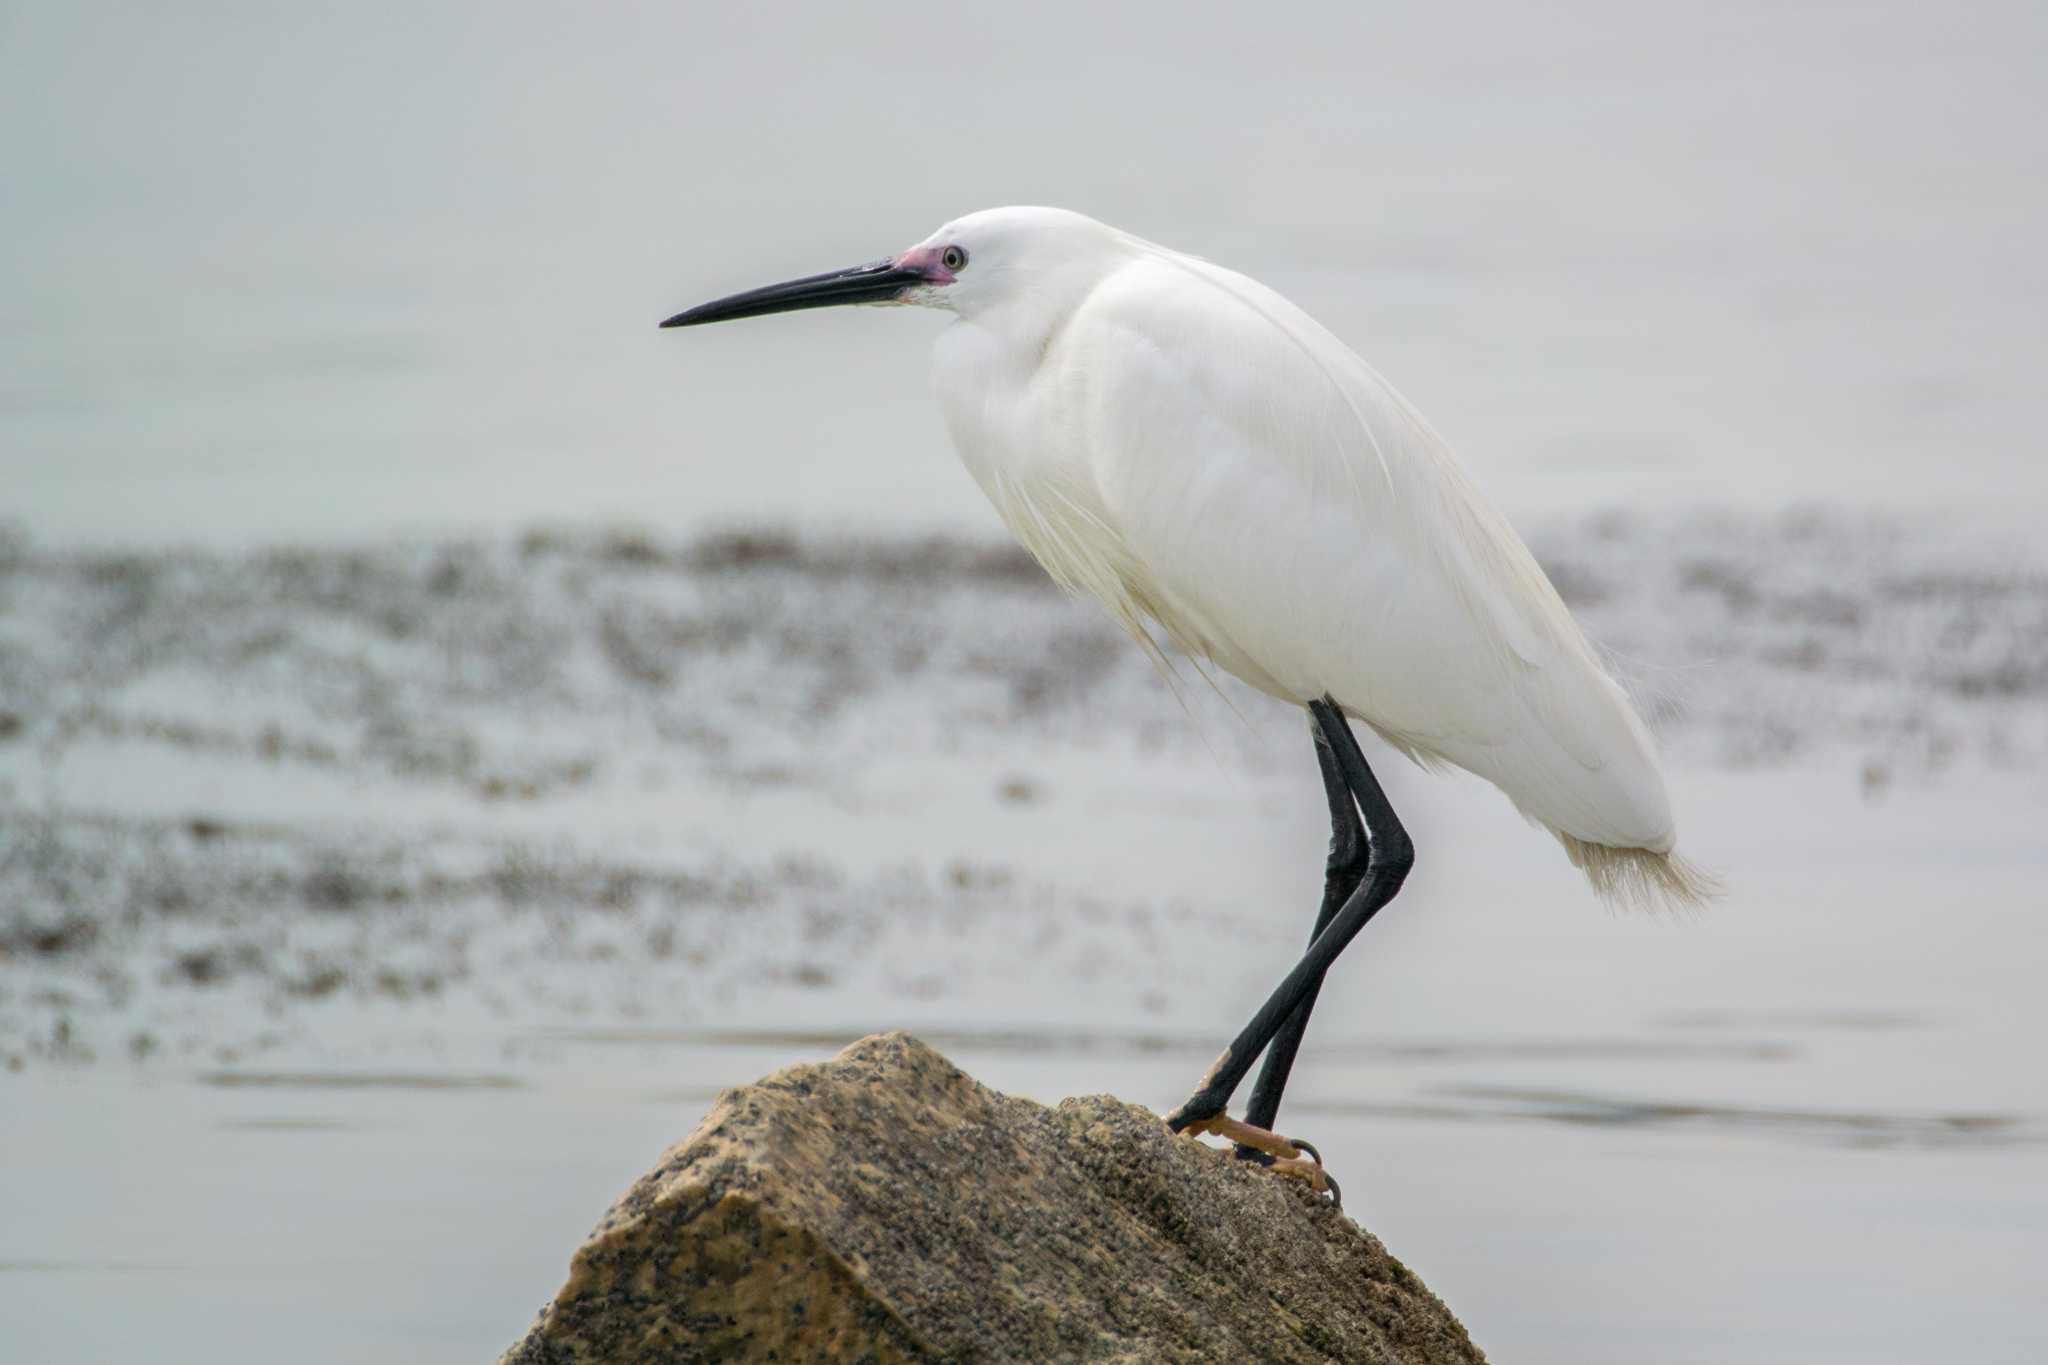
(1280, 1155)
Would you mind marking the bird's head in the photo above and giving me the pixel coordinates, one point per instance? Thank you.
(969, 266)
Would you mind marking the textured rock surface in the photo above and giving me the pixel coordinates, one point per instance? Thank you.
(884, 1206)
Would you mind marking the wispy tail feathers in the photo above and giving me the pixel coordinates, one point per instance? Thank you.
(1639, 879)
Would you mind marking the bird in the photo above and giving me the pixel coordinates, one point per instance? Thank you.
(1205, 460)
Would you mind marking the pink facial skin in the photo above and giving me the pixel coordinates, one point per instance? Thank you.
(925, 260)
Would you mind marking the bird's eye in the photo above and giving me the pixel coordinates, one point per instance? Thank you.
(953, 258)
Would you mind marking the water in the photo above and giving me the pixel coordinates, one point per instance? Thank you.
(1824, 1181)
(331, 269)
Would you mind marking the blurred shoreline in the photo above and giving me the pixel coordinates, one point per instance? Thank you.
(237, 788)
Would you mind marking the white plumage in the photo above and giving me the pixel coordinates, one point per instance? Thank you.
(1190, 448)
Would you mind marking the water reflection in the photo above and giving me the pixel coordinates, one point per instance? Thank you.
(1506, 1104)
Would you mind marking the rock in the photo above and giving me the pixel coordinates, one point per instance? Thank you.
(884, 1206)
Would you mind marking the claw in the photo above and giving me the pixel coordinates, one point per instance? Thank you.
(1295, 1168)
(1281, 1150)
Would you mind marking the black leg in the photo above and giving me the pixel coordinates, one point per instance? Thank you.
(1344, 870)
(1391, 855)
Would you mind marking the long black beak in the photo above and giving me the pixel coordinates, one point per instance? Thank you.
(876, 282)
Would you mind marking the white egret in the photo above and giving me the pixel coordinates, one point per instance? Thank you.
(1194, 451)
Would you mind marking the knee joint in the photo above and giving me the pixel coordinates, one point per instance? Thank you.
(1394, 855)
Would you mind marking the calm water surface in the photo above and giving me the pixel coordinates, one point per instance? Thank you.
(329, 269)
(1804, 1128)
